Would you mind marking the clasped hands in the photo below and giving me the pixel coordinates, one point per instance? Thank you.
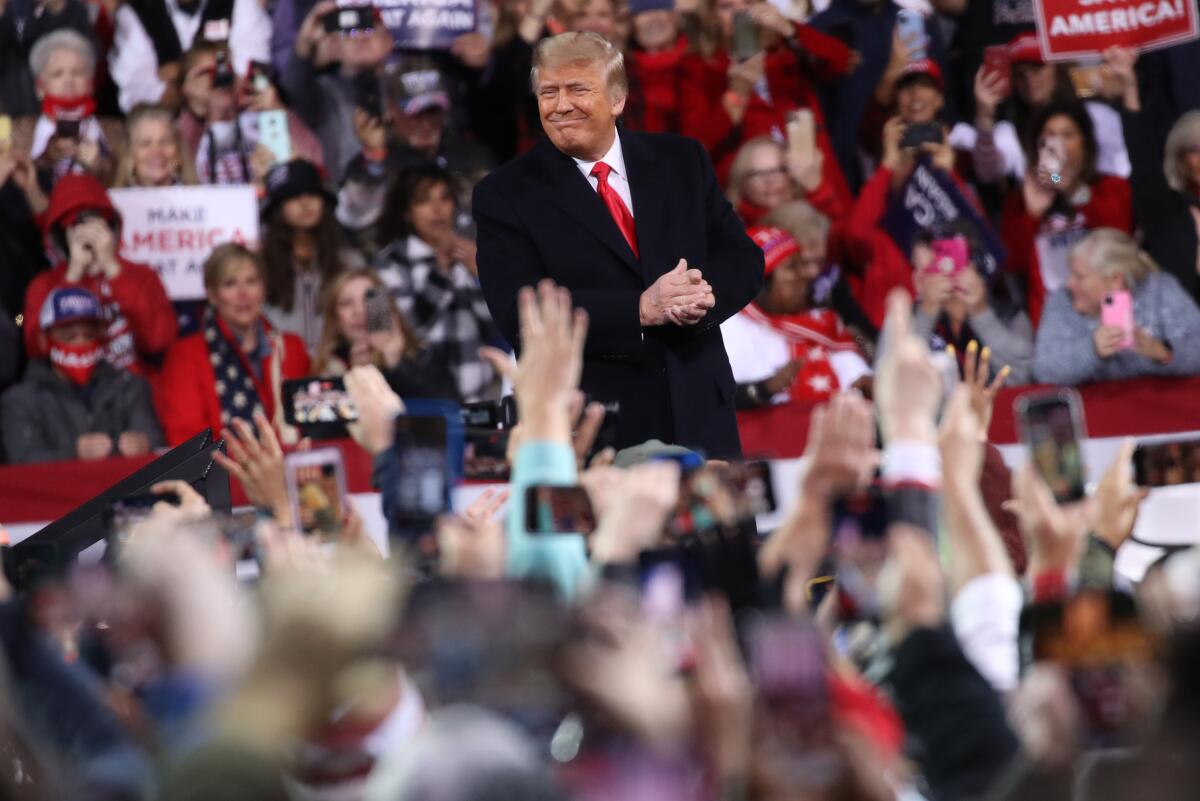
(681, 297)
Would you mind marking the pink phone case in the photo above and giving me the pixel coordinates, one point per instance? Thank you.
(1117, 310)
(950, 256)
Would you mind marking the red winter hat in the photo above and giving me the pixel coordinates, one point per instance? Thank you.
(1024, 49)
(926, 67)
(777, 245)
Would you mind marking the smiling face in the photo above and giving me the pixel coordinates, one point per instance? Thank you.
(155, 152)
(66, 74)
(352, 310)
(655, 30)
(918, 101)
(239, 293)
(1088, 286)
(578, 111)
(766, 183)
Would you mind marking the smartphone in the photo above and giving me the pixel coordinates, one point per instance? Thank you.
(1117, 309)
(428, 447)
(747, 41)
(379, 308)
(223, 77)
(859, 548)
(1051, 159)
(1167, 464)
(997, 61)
(1086, 80)
(349, 19)
(802, 134)
(316, 486)
(790, 670)
(911, 25)
(551, 509)
(273, 134)
(1052, 427)
(919, 133)
(950, 256)
(319, 406)
(66, 128)
(1099, 640)
(843, 32)
(712, 497)
(5, 133)
(258, 76)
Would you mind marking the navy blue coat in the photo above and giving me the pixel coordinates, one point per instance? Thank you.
(538, 217)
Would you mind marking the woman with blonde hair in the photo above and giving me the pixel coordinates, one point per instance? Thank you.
(1076, 344)
(154, 154)
(347, 340)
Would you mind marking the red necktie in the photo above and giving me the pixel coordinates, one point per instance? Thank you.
(616, 207)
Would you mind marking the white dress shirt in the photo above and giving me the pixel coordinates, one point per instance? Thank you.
(134, 64)
(618, 179)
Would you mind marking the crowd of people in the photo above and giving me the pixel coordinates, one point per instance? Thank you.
(921, 624)
(1045, 210)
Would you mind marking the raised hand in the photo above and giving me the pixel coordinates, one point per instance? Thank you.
(377, 408)
(907, 385)
(976, 369)
(257, 463)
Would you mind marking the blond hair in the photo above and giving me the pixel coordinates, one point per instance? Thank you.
(1111, 252)
(140, 113)
(582, 48)
(1184, 135)
(328, 359)
(801, 220)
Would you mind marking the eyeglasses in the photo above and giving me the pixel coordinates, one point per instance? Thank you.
(780, 170)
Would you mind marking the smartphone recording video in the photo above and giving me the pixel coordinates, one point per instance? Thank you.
(950, 256)
(1099, 639)
(428, 447)
(1052, 427)
(349, 19)
(316, 485)
(1167, 464)
(551, 509)
(921, 133)
(319, 407)
(712, 496)
(747, 41)
(997, 61)
(379, 308)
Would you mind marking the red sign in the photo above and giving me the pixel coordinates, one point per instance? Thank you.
(1070, 29)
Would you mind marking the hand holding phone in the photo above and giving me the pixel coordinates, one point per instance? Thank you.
(1167, 464)
(319, 406)
(950, 256)
(1117, 310)
(921, 133)
(274, 135)
(802, 135)
(910, 26)
(1052, 427)
(316, 486)
(997, 65)
(553, 509)
(747, 41)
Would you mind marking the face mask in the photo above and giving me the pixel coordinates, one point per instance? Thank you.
(222, 133)
(71, 107)
(77, 361)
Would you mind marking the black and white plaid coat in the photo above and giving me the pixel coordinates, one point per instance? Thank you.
(447, 309)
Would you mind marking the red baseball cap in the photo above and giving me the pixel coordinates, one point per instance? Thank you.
(777, 245)
(1024, 49)
(924, 67)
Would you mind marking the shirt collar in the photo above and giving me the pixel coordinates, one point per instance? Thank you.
(613, 158)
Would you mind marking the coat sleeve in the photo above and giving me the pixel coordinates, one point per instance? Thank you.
(140, 412)
(1181, 327)
(1011, 342)
(1064, 352)
(20, 416)
(735, 264)
(139, 292)
(508, 260)
(35, 296)
(182, 392)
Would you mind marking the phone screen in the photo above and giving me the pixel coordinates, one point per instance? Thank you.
(1100, 641)
(367, 95)
(789, 667)
(428, 446)
(714, 496)
(316, 483)
(274, 135)
(1167, 464)
(551, 509)
(1052, 427)
(319, 407)
(379, 310)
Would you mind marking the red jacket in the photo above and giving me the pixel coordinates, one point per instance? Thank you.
(141, 319)
(186, 397)
(653, 103)
(1110, 206)
(704, 81)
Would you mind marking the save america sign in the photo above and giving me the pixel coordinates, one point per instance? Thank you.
(1070, 29)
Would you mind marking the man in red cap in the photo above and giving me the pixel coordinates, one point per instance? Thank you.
(83, 225)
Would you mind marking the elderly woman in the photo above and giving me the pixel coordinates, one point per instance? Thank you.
(782, 347)
(1166, 180)
(1073, 344)
(67, 136)
(236, 365)
(764, 176)
(154, 154)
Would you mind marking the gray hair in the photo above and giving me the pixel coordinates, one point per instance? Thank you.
(1184, 135)
(801, 220)
(63, 39)
(582, 48)
(1110, 253)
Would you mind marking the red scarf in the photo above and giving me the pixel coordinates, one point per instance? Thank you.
(812, 335)
(71, 108)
